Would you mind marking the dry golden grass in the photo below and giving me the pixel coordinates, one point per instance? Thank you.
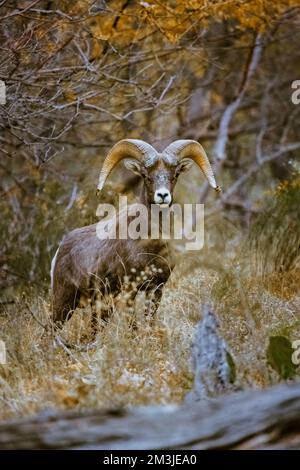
(148, 364)
(286, 285)
(126, 365)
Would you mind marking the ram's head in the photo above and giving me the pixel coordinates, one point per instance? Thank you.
(158, 170)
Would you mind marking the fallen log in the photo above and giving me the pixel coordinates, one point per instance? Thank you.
(246, 420)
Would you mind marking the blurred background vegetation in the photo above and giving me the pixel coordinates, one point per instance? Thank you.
(80, 76)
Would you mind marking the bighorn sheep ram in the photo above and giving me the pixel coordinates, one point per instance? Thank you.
(84, 263)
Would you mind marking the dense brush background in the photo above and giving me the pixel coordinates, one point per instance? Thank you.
(80, 76)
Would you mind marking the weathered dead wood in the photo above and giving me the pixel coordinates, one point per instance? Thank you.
(213, 374)
(252, 419)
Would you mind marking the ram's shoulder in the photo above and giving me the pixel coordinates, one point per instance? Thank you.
(79, 233)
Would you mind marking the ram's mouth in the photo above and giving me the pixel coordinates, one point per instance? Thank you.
(164, 205)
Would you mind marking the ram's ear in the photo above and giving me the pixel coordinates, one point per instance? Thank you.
(184, 165)
(133, 165)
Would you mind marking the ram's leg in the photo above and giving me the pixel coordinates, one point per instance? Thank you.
(130, 299)
(64, 301)
(153, 298)
(103, 313)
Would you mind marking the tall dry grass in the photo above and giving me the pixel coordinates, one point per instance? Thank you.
(145, 362)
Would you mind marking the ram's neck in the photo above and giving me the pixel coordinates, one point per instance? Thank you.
(143, 198)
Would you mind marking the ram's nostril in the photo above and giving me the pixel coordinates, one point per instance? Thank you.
(163, 195)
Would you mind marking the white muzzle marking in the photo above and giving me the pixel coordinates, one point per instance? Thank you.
(162, 197)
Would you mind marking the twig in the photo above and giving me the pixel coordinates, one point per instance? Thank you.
(35, 318)
(226, 119)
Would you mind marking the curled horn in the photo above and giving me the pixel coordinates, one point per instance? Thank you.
(127, 148)
(193, 151)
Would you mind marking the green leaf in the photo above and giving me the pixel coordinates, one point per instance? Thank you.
(279, 355)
